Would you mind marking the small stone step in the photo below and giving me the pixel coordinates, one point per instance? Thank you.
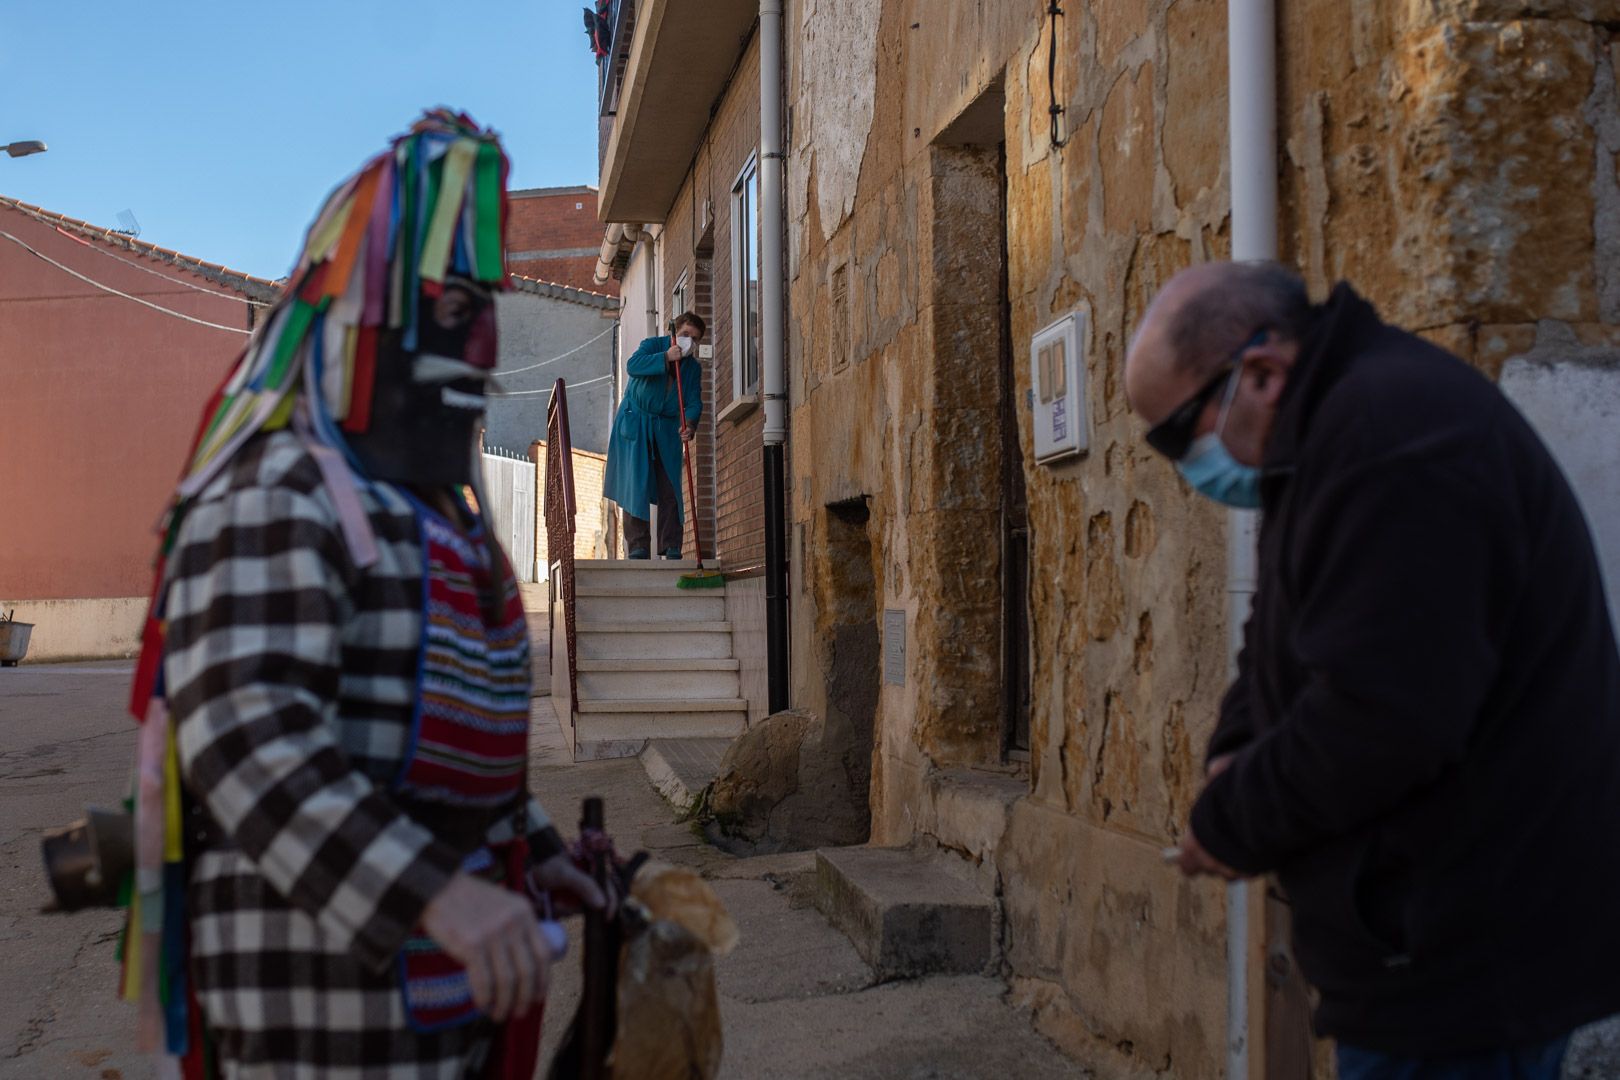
(681, 768)
(908, 912)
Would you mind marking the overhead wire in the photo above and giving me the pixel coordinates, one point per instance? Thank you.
(109, 289)
(43, 220)
(554, 359)
(549, 389)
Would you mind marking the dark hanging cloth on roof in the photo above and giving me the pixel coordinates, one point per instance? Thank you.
(599, 28)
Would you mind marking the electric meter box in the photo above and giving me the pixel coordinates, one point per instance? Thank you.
(1058, 388)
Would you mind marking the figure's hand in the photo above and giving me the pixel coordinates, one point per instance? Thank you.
(494, 934)
(688, 434)
(559, 874)
(1194, 861)
(673, 354)
(1217, 765)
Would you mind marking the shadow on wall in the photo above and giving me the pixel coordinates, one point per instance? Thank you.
(796, 780)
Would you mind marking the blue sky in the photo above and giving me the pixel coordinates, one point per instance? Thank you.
(222, 126)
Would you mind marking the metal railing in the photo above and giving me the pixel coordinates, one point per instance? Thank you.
(560, 509)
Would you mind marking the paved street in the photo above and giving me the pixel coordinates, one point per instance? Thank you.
(65, 742)
(796, 999)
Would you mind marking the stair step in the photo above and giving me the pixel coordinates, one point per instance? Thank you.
(638, 592)
(643, 564)
(908, 913)
(658, 684)
(625, 734)
(641, 628)
(669, 607)
(670, 663)
(658, 706)
(604, 574)
(647, 643)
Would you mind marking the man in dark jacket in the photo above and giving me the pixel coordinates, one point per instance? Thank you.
(1423, 739)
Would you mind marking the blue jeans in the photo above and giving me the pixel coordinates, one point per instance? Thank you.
(1542, 1062)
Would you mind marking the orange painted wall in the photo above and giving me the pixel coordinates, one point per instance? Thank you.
(99, 398)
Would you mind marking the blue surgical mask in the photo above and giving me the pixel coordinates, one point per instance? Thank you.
(1212, 470)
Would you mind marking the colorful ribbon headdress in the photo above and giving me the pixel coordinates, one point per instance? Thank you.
(431, 206)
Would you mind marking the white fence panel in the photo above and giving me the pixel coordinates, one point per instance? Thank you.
(509, 485)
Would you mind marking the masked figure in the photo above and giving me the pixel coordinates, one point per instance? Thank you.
(335, 842)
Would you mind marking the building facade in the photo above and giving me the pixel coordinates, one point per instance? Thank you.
(681, 202)
(112, 346)
(1065, 622)
(547, 332)
(1014, 613)
(552, 234)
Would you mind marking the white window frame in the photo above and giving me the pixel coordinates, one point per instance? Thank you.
(744, 195)
(679, 301)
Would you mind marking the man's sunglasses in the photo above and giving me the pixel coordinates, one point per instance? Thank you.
(1175, 433)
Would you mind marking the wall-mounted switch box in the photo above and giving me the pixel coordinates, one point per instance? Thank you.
(1057, 376)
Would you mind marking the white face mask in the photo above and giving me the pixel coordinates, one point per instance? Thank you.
(685, 343)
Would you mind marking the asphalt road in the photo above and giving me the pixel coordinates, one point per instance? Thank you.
(65, 743)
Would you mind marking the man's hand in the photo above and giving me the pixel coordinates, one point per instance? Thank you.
(493, 932)
(688, 433)
(1194, 861)
(559, 874)
(672, 355)
(1190, 855)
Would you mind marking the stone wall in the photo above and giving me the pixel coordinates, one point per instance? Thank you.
(1456, 162)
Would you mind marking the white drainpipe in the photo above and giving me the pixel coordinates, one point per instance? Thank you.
(772, 333)
(772, 267)
(1252, 124)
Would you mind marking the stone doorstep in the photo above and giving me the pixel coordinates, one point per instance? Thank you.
(908, 912)
(681, 768)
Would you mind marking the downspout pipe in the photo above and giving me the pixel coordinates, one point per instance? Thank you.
(1252, 127)
(772, 338)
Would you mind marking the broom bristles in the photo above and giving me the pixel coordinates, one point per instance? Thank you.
(701, 579)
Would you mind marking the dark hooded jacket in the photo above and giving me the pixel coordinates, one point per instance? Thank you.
(1426, 720)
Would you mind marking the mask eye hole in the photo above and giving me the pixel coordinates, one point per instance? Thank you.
(453, 309)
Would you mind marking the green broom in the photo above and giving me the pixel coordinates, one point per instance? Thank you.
(699, 578)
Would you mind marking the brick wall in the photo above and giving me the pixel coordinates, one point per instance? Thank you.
(697, 240)
(591, 521)
(557, 229)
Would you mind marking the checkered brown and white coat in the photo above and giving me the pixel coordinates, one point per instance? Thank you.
(291, 676)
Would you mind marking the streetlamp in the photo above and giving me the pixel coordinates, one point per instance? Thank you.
(23, 149)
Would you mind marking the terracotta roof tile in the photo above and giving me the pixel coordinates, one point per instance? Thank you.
(256, 288)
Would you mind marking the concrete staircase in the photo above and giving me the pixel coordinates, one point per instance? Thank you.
(654, 661)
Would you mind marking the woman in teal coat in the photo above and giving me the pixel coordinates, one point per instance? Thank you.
(644, 452)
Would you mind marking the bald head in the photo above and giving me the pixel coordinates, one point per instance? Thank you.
(1197, 319)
